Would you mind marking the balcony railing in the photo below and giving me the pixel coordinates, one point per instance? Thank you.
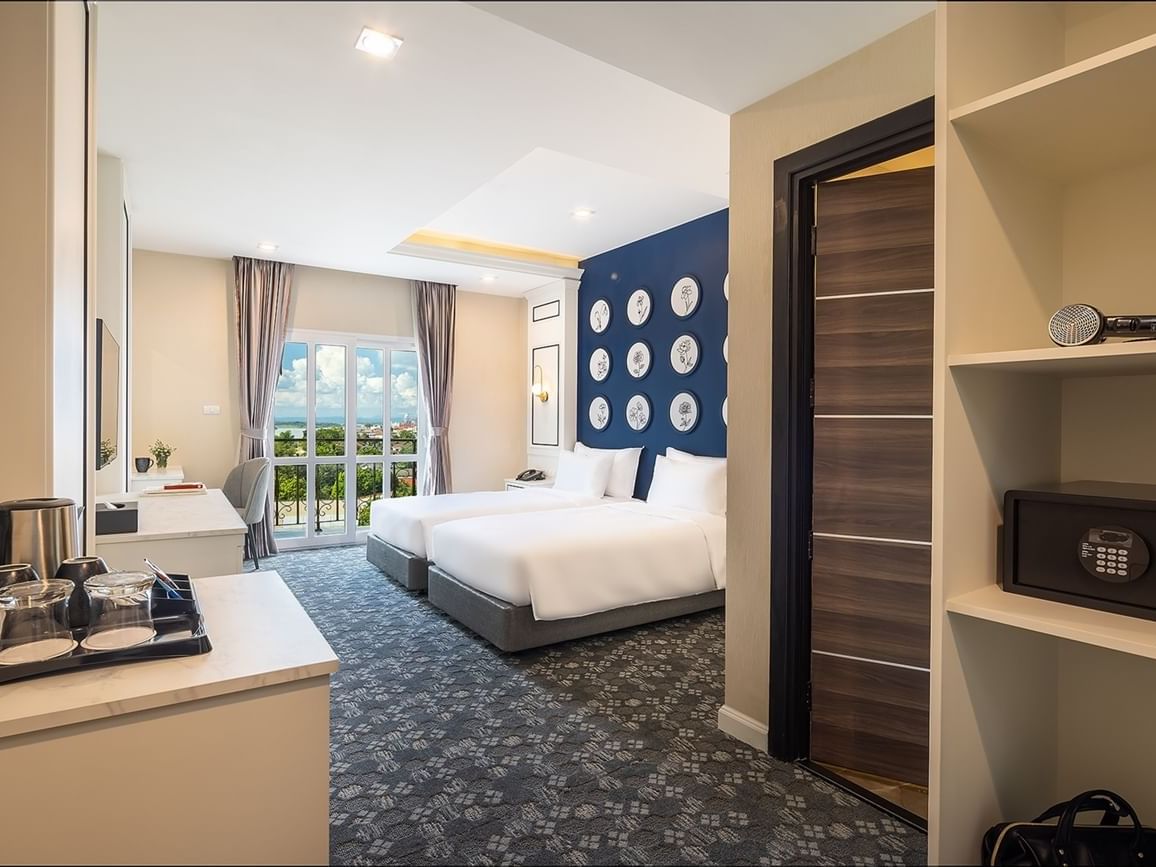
(330, 513)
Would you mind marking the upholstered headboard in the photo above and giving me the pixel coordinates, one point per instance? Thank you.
(690, 255)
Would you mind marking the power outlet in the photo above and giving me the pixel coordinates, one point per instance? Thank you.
(211, 409)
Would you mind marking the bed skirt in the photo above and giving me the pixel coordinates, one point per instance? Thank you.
(513, 628)
(408, 570)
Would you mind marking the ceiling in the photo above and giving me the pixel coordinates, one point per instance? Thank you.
(723, 54)
(248, 121)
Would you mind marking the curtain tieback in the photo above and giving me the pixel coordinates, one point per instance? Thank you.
(437, 431)
(253, 433)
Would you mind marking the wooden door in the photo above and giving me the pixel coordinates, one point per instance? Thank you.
(871, 565)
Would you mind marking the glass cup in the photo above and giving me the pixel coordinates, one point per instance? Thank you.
(120, 610)
(16, 573)
(35, 625)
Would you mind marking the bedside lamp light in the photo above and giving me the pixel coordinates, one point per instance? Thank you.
(537, 389)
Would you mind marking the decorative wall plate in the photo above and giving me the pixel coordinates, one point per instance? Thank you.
(684, 412)
(685, 296)
(725, 399)
(638, 307)
(599, 364)
(727, 286)
(600, 315)
(684, 354)
(638, 359)
(599, 413)
(726, 343)
(638, 412)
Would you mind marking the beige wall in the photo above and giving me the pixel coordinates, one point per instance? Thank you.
(183, 358)
(191, 297)
(325, 300)
(43, 388)
(889, 74)
(491, 391)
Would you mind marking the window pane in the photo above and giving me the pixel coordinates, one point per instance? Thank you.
(330, 500)
(289, 410)
(403, 402)
(369, 488)
(329, 401)
(289, 506)
(403, 479)
(370, 401)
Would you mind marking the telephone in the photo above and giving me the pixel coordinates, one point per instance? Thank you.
(531, 475)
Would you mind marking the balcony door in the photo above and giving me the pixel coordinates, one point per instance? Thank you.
(345, 432)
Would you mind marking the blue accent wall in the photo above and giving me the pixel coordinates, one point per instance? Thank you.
(697, 248)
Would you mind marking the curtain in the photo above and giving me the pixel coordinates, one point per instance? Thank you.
(262, 292)
(433, 326)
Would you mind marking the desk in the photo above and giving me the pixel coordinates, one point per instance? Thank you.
(211, 759)
(197, 534)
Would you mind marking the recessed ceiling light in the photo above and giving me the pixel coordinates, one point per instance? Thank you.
(582, 213)
(267, 247)
(489, 278)
(377, 43)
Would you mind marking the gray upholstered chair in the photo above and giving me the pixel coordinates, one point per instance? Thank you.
(247, 487)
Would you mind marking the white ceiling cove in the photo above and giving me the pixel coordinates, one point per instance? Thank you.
(723, 54)
(248, 121)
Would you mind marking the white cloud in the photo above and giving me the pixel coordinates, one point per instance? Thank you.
(404, 391)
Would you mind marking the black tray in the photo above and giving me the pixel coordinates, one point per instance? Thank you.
(180, 632)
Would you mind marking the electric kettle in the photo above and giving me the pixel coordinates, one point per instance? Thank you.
(40, 532)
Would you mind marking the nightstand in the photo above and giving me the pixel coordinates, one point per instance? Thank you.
(515, 485)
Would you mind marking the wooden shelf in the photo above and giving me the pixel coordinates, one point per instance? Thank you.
(1112, 631)
(1081, 119)
(1105, 359)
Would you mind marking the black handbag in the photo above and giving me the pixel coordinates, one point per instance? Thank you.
(1042, 844)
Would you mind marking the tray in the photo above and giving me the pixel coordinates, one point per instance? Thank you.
(180, 632)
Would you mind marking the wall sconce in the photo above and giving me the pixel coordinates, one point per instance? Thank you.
(537, 389)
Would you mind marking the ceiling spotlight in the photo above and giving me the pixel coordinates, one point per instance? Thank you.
(489, 278)
(582, 213)
(377, 43)
(267, 247)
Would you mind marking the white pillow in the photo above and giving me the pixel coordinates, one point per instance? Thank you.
(686, 457)
(625, 471)
(583, 474)
(695, 485)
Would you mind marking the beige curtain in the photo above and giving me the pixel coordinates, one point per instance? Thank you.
(433, 326)
(262, 292)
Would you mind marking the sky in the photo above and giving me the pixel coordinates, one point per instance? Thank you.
(330, 385)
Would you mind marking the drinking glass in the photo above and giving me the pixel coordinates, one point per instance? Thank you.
(35, 624)
(120, 610)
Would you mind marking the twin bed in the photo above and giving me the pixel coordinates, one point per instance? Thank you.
(534, 567)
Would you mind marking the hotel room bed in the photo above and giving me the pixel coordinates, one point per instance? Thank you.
(534, 579)
(399, 529)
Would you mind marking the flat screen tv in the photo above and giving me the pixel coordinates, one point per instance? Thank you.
(107, 395)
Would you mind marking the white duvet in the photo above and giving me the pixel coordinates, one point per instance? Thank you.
(582, 561)
(406, 522)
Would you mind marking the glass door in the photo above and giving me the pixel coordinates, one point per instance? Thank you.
(346, 408)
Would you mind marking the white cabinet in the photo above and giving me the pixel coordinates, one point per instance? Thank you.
(155, 478)
(515, 485)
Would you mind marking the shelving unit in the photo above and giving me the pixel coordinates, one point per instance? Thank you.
(1129, 635)
(1105, 359)
(1057, 121)
(1046, 174)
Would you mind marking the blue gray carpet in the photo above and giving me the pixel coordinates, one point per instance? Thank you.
(601, 751)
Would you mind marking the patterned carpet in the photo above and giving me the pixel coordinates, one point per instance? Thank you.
(601, 751)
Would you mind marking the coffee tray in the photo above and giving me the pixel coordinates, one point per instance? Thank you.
(176, 618)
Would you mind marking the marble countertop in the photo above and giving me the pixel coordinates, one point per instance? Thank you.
(261, 637)
(177, 516)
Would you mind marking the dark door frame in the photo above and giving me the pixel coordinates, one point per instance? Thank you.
(792, 371)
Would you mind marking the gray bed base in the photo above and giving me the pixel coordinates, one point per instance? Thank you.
(513, 628)
(408, 570)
